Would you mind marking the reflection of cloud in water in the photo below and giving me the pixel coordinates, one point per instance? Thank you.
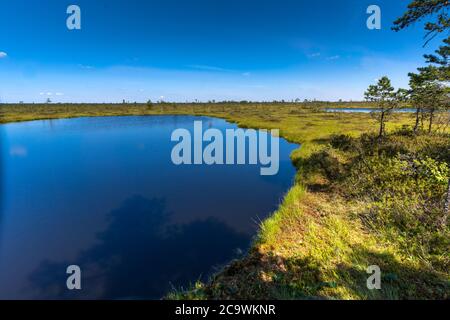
(18, 151)
(1, 190)
(139, 256)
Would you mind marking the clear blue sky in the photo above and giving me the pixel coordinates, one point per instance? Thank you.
(201, 49)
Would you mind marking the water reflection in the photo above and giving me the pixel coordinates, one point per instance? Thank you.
(69, 197)
(1, 189)
(140, 255)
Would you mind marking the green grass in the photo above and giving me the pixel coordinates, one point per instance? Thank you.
(317, 244)
(299, 123)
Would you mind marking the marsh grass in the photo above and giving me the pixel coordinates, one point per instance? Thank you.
(318, 244)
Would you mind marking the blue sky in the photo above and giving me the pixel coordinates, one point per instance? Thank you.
(201, 49)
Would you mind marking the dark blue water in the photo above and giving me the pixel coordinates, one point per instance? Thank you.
(103, 194)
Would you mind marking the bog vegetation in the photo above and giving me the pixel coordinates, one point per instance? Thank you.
(377, 199)
(370, 189)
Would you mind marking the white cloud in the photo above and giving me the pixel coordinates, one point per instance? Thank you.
(18, 151)
(319, 55)
(3, 54)
(333, 58)
(51, 93)
(82, 66)
(207, 68)
(314, 55)
(218, 69)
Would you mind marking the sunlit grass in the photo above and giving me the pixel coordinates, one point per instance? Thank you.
(314, 245)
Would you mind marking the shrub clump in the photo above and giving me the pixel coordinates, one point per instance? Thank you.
(403, 189)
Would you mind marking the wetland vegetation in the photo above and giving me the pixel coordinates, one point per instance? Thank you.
(357, 201)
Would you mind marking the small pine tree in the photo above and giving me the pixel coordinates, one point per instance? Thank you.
(386, 99)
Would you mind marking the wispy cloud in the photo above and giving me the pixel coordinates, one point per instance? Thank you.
(319, 55)
(18, 151)
(333, 58)
(82, 66)
(202, 67)
(314, 55)
(51, 94)
(3, 54)
(208, 68)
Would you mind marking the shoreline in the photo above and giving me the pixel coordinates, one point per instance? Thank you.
(309, 222)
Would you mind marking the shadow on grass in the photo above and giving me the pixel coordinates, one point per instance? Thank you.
(318, 170)
(268, 277)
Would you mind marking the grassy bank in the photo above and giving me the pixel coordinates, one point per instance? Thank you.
(25, 112)
(346, 213)
(357, 202)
